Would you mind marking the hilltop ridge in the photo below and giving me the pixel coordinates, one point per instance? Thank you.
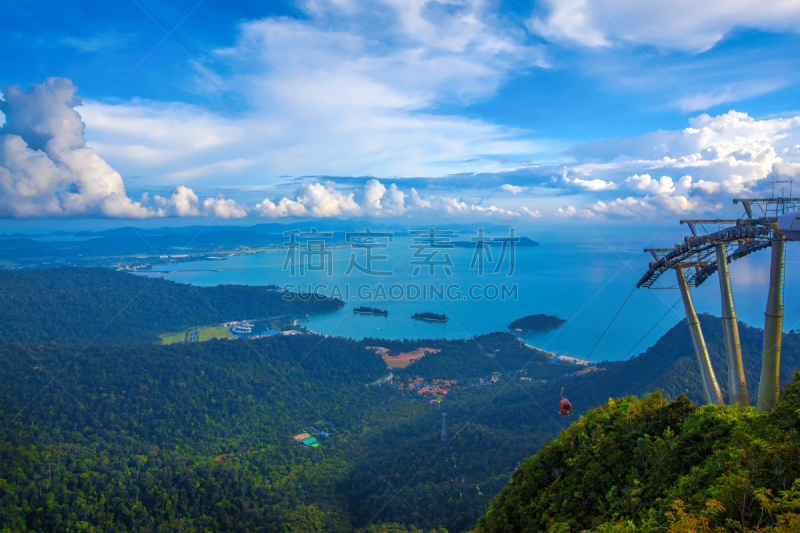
(646, 464)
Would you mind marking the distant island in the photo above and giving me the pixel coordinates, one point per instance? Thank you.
(430, 317)
(370, 311)
(523, 241)
(536, 323)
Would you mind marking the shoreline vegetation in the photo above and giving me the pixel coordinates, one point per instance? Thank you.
(538, 322)
(551, 355)
(430, 317)
(370, 311)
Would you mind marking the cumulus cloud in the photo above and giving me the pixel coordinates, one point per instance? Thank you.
(417, 200)
(679, 24)
(589, 185)
(395, 201)
(461, 207)
(326, 199)
(182, 203)
(649, 185)
(220, 207)
(323, 200)
(46, 168)
(284, 208)
(185, 202)
(513, 189)
(698, 169)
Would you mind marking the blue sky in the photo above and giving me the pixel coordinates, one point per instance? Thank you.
(516, 111)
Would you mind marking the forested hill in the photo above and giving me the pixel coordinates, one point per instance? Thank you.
(648, 465)
(82, 305)
(670, 365)
(126, 438)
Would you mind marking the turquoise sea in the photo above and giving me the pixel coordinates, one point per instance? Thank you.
(582, 281)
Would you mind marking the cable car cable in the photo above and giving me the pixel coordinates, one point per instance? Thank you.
(638, 343)
(564, 400)
(604, 332)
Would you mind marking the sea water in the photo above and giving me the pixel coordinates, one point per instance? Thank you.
(584, 282)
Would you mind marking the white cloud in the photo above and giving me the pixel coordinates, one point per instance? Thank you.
(418, 201)
(321, 200)
(698, 169)
(643, 208)
(373, 192)
(728, 93)
(185, 201)
(348, 89)
(460, 207)
(221, 207)
(649, 185)
(730, 143)
(172, 140)
(284, 208)
(394, 204)
(533, 214)
(324, 200)
(46, 169)
(679, 24)
(513, 189)
(570, 20)
(590, 185)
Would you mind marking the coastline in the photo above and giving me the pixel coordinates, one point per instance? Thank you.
(555, 357)
(552, 355)
(573, 360)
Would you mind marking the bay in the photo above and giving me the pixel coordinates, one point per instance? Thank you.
(583, 282)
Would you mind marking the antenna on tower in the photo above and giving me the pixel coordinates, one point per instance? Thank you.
(444, 428)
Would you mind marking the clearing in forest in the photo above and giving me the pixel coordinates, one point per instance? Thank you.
(404, 359)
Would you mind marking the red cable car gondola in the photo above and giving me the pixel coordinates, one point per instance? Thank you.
(565, 408)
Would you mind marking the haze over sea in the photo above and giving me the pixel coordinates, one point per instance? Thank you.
(582, 280)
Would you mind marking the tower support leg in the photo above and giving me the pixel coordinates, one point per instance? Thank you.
(710, 385)
(769, 386)
(737, 384)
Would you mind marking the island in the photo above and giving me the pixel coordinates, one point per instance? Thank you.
(536, 323)
(370, 311)
(430, 317)
(523, 241)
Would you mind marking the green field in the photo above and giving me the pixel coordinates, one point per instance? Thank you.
(169, 338)
(215, 332)
(203, 334)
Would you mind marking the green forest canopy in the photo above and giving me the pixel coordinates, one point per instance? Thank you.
(651, 465)
(80, 305)
(538, 322)
(99, 435)
(126, 434)
(124, 437)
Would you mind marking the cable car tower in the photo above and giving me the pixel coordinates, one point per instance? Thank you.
(765, 224)
(444, 428)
